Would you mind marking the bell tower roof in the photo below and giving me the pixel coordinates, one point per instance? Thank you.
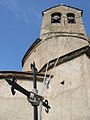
(61, 5)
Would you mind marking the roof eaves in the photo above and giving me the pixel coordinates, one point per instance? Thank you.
(62, 5)
(29, 50)
(27, 75)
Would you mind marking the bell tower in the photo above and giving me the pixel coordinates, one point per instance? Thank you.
(62, 21)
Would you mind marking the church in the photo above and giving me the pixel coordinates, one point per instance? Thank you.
(61, 59)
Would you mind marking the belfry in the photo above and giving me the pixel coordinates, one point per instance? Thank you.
(62, 58)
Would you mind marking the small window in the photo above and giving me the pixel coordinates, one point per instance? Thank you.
(71, 18)
(56, 17)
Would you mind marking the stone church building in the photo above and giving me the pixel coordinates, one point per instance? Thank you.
(62, 58)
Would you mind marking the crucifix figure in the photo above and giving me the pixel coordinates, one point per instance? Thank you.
(33, 97)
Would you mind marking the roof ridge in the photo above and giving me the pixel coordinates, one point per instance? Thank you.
(62, 5)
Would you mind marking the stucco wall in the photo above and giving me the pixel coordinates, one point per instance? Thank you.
(52, 48)
(15, 107)
(71, 100)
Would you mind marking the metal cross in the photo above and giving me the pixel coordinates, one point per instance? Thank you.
(35, 89)
(33, 97)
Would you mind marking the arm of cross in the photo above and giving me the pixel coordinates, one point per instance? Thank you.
(35, 100)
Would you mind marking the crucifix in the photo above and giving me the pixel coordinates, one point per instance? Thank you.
(33, 97)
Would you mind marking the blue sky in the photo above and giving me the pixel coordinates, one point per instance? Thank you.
(20, 22)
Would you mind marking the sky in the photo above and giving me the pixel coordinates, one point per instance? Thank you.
(20, 23)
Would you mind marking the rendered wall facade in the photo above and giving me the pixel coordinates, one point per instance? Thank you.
(70, 101)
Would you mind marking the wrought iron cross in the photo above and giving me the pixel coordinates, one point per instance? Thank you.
(35, 89)
(33, 97)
